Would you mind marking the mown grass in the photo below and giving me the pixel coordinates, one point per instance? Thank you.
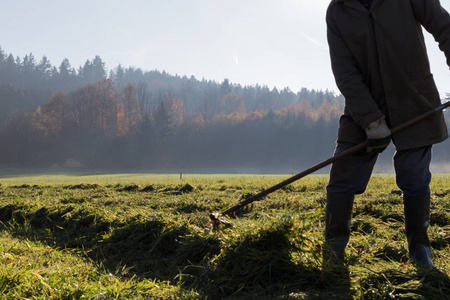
(154, 240)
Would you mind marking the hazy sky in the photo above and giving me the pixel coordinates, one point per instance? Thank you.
(270, 42)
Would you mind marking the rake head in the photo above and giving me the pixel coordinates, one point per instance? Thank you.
(217, 221)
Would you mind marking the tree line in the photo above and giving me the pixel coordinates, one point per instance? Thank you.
(130, 118)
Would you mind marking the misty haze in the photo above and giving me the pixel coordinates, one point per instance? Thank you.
(59, 116)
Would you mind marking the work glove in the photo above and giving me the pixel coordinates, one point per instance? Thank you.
(378, 136)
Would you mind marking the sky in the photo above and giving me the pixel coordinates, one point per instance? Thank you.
(278, 43)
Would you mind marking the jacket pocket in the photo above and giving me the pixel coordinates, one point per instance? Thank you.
(349, 131)
(426, 87)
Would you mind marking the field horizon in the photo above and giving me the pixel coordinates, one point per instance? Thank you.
(74, 175)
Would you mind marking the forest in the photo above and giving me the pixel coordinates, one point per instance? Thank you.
(132, 118)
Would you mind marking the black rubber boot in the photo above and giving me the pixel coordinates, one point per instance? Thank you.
(417, 219)
(338, 214)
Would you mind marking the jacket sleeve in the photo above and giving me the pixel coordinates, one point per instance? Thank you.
(436, 20)
(349, 79)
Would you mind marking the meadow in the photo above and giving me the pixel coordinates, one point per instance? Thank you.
(141, 236)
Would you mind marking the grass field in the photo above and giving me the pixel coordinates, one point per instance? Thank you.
(140, 236)
(67, 176)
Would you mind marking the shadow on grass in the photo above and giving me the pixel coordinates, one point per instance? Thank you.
(247, 267)
(425, 283)
(433, 280)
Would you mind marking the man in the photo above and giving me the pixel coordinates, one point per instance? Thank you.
(380, 64)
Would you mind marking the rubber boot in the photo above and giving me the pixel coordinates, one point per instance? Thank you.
(417, 219)
(338, 214)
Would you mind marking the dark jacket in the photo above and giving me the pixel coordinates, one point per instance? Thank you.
(381, 66)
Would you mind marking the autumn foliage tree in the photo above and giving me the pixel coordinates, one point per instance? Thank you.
(96, 109)
(104, 119)
(132, 117)
(93, 109)
(54, 116)
(177, 112)
(108, 108)
(231, 103)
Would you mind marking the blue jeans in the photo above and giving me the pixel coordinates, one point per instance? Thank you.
(351, 174)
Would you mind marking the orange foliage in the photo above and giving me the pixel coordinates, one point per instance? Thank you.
(108, 109)
(231, 103)
(327, 111)
(175, 108)
(177, 112)
(129, 116)
(233, 118)
(93, 108)
(97, 108)
(54, 116)
(199, 122)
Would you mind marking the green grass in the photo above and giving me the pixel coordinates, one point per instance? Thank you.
(150, 237)
(46, 176)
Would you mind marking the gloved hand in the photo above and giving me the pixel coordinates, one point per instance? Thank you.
(378, 136)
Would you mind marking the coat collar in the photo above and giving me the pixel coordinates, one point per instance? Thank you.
(357, 5)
